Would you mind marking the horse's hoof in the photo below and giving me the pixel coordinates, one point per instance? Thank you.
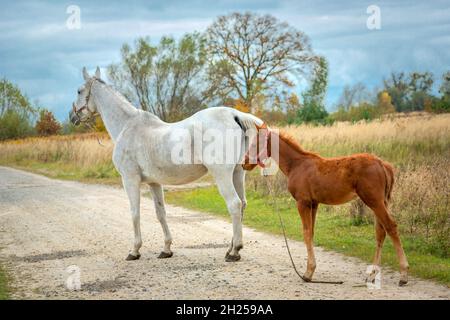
(132, 257)
(402, 283)
(232, 258)
(164, 255)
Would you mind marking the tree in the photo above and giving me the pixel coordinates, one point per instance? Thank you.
(165, 79)
(443, 104)
(47, 124)
(445, 87)
(397, 87)
(16, 112)
(313, 109)
(385, 103)
(410, 92)
(250, 54)
(15, 124)
(11, 98)
(353, 95)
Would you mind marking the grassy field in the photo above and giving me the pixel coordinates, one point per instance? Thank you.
(417, 145)
(4, 290)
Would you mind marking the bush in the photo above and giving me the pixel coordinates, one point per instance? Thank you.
(363, 111)
(440, 106)
(47, 125)
(14, 124)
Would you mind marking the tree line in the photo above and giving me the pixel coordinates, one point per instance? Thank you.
(251, 62)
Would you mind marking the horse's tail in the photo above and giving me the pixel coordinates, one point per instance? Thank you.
(389, 175)
(246, 120)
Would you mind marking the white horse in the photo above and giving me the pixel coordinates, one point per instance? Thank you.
(144, 147)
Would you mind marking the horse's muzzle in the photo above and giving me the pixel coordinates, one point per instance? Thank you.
(74, 118)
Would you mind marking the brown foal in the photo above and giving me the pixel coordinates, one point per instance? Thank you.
(313, 180)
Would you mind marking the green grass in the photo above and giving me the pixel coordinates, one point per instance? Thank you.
(334, 230)
(4, 290)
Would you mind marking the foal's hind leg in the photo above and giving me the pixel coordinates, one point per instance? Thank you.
(380, 234)
(390, 226)
(158, 198)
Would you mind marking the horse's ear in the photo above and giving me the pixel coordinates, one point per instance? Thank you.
(85, 74)
(97, 73)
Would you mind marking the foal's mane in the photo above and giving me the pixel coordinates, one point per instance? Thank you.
(292, 142)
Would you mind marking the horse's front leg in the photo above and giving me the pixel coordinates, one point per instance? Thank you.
(158, 198)
(132, 187)
(306, 213)
(226, 188)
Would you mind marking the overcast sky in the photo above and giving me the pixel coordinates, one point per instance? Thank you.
(40, 54)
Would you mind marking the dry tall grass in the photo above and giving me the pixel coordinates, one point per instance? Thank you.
(77, 156)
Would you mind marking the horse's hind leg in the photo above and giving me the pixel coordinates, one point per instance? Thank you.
(239, 185)
(224, 180)
(158, 199)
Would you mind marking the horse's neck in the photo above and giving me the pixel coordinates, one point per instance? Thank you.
(114, 109)
(288, 156)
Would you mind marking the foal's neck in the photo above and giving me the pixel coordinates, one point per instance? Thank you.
(290, 154)
(114, 109)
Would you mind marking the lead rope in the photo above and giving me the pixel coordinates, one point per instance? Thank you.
(91, 126)
(275, 207)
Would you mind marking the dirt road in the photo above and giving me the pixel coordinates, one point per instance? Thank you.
(47, 225)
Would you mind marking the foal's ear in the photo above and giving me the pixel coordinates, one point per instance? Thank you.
(85, 74)
(97, 73)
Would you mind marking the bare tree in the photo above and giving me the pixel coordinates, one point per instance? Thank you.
(250, 54)
(353, 95)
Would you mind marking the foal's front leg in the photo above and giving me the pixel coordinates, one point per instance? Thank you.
(132, 187)
(306, 213)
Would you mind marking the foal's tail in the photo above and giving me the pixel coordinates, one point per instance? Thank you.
(389, 175)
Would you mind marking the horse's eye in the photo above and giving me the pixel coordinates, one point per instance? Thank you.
(79, 91)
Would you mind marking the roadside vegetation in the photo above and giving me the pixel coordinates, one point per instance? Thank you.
(4, 290)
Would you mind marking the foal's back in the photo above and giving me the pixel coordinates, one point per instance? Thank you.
(340, 179)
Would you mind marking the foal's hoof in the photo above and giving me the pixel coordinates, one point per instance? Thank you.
(306, 279)
(132, 257)
(165, 255)
(231, 258)
(402, 283)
